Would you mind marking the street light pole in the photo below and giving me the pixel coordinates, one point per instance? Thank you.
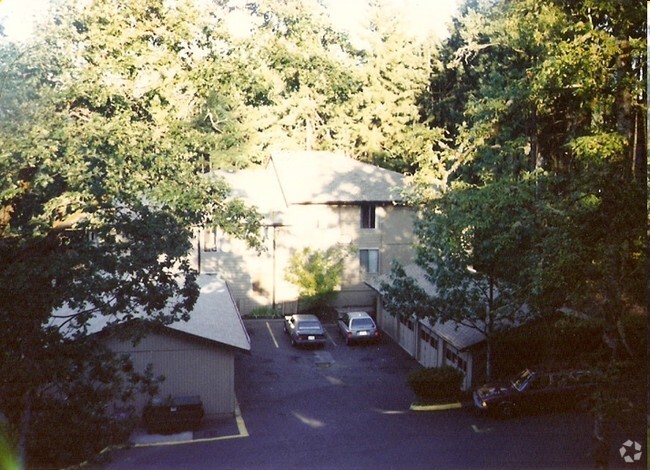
(275, 225)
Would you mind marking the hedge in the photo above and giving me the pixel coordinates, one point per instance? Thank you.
(436, 383)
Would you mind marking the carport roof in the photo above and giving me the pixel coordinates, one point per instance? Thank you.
(458, 335)
(215, 316)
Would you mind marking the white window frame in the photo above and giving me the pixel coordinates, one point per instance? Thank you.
(210, 239)
(365, 264)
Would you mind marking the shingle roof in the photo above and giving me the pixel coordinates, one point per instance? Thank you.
(215, 316)
(458, 335)
(258, 187)
(327, 177)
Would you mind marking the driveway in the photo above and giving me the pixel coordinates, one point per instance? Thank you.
(346, 407)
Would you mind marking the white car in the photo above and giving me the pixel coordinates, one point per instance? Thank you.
(358, 326)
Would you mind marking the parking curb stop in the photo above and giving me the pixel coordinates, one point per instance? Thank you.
(437, 407)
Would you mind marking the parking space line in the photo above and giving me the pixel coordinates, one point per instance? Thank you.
(268, 326)
(241, 425)
(329, 336)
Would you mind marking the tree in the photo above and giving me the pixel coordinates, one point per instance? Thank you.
(388, 128)
(101, 188)
(404, 297)
(548, 94)
(475, 245)
(317, 273)
(284, 76)
(290, 80)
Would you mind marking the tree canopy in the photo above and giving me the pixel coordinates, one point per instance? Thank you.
(524, 133)
(101, 188)
(537, 190)
(543, 166)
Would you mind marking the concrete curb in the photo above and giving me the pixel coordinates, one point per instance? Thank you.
(438, 407)
(442, 406)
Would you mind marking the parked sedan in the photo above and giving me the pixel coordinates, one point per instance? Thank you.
(357, 326)
(304, 330)
(536, 391)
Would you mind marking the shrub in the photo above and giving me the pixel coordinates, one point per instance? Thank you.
(436, 383)
(556, 341)
(265, 312)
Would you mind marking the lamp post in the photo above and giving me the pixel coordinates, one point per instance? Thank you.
(274, 224)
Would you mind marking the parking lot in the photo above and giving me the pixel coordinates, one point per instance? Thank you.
(348, 407)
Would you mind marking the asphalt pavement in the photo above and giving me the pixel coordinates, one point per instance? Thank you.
(343, 407)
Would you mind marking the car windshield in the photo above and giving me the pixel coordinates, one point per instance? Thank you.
(309, 325)
(521, 380)
(362, 323)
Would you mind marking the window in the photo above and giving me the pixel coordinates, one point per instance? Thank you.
(427, 337)
(369, 260)
(454, 360)
(408, 322)
(368, 217)
(210, 240)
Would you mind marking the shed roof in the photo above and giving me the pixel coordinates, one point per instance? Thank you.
(215, 316)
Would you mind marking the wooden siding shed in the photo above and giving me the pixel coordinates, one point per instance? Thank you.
(196, 357)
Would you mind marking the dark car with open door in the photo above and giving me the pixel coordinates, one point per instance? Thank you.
(536, 390)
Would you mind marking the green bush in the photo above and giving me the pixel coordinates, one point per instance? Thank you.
(436, 383)
(265, 312)
(556, 341)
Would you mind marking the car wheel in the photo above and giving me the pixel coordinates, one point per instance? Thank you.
(506, 410)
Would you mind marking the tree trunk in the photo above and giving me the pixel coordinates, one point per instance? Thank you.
(601, 440)
(488, 360)
(488, 332)
(623, 108)
(26, 418)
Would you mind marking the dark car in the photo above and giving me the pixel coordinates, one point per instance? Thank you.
(357, 326)
(533, 391)
(305, 330)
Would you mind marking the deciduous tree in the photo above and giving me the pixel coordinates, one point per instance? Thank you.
(100, 190)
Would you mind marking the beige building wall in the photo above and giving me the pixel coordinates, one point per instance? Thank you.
(256, 278)
(190, 368)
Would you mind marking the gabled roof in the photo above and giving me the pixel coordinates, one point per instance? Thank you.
(215, 317)
(258, 187)
(327, 177)
(299, 178)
